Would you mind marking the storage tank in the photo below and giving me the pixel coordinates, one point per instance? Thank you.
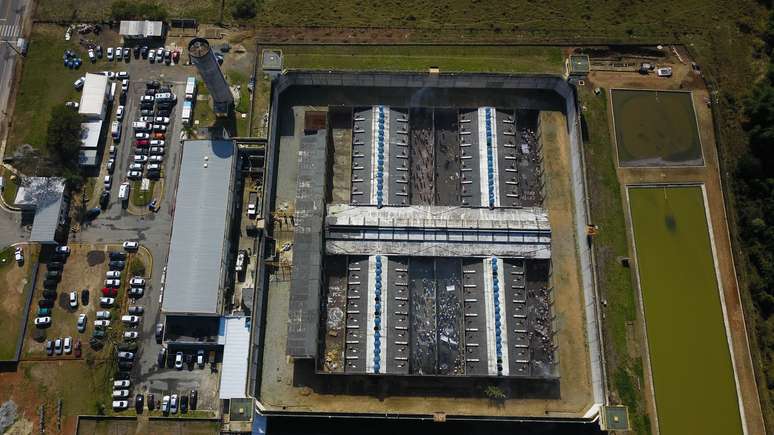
(202, 56)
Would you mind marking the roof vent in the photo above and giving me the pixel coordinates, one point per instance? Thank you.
(206, 158)
(205, 165)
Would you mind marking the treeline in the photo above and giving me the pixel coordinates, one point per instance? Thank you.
(138, 10)
(754, 188)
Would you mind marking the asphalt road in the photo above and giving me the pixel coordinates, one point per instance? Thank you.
(12, 14)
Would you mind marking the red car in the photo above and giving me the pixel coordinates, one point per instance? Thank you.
(78, 348)
(109, 292)
(143, 142)
(158, 135)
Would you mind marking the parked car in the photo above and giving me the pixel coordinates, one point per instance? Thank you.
(63, 249)
(122, 75)
(46, 303)
(92, 55)
(135, 167)
(159, 331)
(162, 358)
(49, 347)
(137, 281)
(140, 158)
(58, 346)
(138, 403)
(119, 53)
(73, 299)
(78, 85)
(200, 358)
(133, 175)
(194, 399)
(144, 52)
(117, 256)
(106, 302)
(68, 345)
(103, 315)
(99, 51)
(173, 404)
(151, 403)
(136, 310)
(142, 136)
(179, 360)
(53, 274)
(154, 205)
(98, 333)
(165, 405)
(85, 296)
(18, 255)
(43, 312)
(109, 292)
(120, 405)
(184, 404)
(117, 265)
(42, 322)
(77, 348)
(110, 53)
(131, 245)
(113, 274)
(132, 320)
(120, 393)
(125, 355)
(156, 158)
(142, 143)
(113, 283)
(125, 365)
(120, 112)
(124, 383)
(136, 292)
(131, 335)
(54, 265)
(152, 56)
(101, 323)
(81, 323)
(175, 56)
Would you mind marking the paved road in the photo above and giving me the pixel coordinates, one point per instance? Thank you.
(12, 15)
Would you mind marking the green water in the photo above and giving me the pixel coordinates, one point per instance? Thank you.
(655, 128)
(691, 364)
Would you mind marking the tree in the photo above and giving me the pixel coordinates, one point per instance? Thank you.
(64, 141)
(244, 9)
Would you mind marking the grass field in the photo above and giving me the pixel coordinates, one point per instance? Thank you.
(13, 289)
(9, 191)
(420, 58)
(140, 198)
(45, 83)
(615, 281)
(655, 128)
(691, 365)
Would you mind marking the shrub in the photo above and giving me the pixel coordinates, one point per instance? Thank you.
(244, 9)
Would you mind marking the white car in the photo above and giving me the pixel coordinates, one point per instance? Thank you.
(92, 56)
(64, 249)
(115, 283)
(125, 85)
(113, 150)
(157, 143)
(137, 282)
(113, 274)
(154, 167)
(133, 320)
(81, 323)
(147, 99)
(131, 245)
(161, 120)
(101, 323)
(159, 127)
(135, 167)
(146, 119)
(131, 335)
(68, 345)
(120, 393)
(157, 158)
(73, 299)
(42, 321)
(152, 56)
(78, 85)
(109, 74)
(120, 405)
(179, 360)
(119, 53)
(664, 72)
(110, 165)
(107, 182)
(122, 75)
(110, 53)
(125, 355)
(142, 136)
(107, 302)
(173, 404)
(140, 158)
(134, 175)
(136, 292)
(165, 399)
(126, 53)
(126, 383)
(120, 113)
(103, 315)
(18, 255)
(160, 53)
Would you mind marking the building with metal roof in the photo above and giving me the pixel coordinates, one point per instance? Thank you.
(94, 97)
(44, 197)
(235, 333)
(199, 249)
(141, 29)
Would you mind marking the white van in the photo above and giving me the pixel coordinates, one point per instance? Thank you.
(140, 125)
(115, 130)
(123, 191)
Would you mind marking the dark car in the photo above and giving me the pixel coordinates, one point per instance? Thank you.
(98, 333)
(136, 52)
(54, 265)
(49, 347)
(117, 256)
(58, 256)
(165, 90)
(122, 98)
(151, 402)
(50, 283)
(92, 213)
(153, 84)
(150, 91)
(159, 332)
(153, 174)
(77, 348)
(189, 360)
(164, 113)
(104, 199)
(162, 358)
(144, 52)
(153, 204)
(138, 403)
(194, 399)
(53, 274)
(184, 404)
(85, 296)
(117, 265)
(49, 294)
(46, 303)
(127, 347)
(125, 365)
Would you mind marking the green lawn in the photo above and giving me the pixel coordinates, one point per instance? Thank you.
(10, 189)
(242, 106)
(45, 83)
(615, 281)
(13, 297)
(691, 364)
(420, 58)
(139, 198)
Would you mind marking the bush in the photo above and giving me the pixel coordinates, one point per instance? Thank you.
(139, 10)
(137, 267)
(244, 9)
(494, 393)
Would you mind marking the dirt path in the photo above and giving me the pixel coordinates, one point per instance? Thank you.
(708, 175)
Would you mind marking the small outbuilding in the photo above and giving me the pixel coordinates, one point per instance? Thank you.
(138, 30)
(45, 197)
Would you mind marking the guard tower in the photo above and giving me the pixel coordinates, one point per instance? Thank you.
(202, 56)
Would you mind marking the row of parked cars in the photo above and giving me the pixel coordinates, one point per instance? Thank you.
(169, 403)
(53, 275)
(150, 131)
(64, 345)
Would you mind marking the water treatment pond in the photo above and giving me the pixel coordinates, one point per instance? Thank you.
(690, 361)
(656, 128)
